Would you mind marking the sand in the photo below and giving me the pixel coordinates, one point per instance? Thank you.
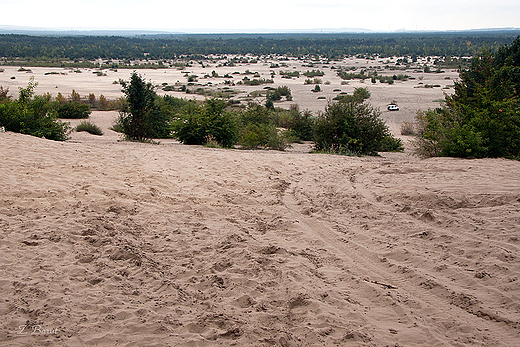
(410, 95)
(111, 243)
(105, 242)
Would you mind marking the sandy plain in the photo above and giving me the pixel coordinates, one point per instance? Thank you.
(410, 95)
(105, 242)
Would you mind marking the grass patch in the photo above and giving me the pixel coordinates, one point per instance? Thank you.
(89, 127)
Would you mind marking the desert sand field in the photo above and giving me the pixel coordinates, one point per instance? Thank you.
(111, 243)
(411, 95)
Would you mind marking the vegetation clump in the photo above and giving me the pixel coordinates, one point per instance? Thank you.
(276, 94)
(142, 116)
(481, 119)
(89, 127)
(73, 110)
(31, 114)
(200, 124)
(290, 74)
(259, 131)
(353, 127)
(314, 73)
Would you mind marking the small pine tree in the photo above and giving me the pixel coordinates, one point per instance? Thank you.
(140, 99)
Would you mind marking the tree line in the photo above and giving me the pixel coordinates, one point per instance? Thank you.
(332, 46)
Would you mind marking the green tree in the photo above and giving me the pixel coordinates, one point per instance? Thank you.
(482, 117)
(138, 116)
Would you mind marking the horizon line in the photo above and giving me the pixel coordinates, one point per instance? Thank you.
(25, 29)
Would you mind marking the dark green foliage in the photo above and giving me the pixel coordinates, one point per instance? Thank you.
(351, 75)
(258, 130)
(144, 114)
(482, 117)
(276, 94)
(32, 115)
(301, 124)
(255, 82)
(89, 127)
(290, 74)
(210, 122)
(313, 73)
(74, 50)
(73, 110)
(353, 128)
(359, 95)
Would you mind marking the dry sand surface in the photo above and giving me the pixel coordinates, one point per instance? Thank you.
(112, 243)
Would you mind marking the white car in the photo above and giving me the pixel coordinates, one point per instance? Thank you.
(393, 108)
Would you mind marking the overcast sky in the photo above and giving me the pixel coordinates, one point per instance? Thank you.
(251, 15)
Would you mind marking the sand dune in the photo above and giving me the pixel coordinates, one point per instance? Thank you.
(116, 243)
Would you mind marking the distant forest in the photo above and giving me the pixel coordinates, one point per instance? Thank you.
(54, 49)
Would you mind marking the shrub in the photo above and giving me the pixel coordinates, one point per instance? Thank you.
(313, 73)
(255, 82)
(73, 110)
(32, 115)
(89, 127)
(289, 74)
(302, 124)
(258, 130)
(275, 94)
(359, 95)
(408, 128)
(353, 128)
(256, 135)
(442, 134)
(313, 81)
(199, 124)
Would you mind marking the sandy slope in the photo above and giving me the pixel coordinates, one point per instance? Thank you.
(115, 243)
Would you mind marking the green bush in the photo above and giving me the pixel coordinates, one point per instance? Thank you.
(359, 95)
(258, 130)
(314, 73)
(353, 128)
(73, 110)
(32, 115)
(199, 124)
(257, 135)
(302, 124)
(275, 94)
(89, 127)
(481, 118)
